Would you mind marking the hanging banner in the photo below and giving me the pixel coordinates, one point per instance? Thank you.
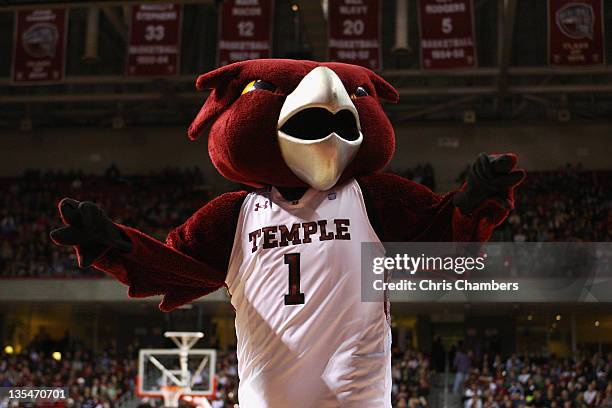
(39, 45)
(245, 30)
(354, 32)
(575, 33)
(154, 40)
(447, 34)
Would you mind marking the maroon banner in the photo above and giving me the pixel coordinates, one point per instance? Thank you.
(245, 30)
(447, 34)
(40, 43)
(575, 33)
(354, 32)
(155, 40)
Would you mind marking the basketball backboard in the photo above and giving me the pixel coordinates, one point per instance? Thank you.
(182, 371)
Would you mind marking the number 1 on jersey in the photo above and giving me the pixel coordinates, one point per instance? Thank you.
(295, 297)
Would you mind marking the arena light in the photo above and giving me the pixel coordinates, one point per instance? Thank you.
(564, 115)
(295, 7)
(118, 122)
(57, 356)
(9, 350)
(558, 317)
(91, 35)
(530, 317)
(401, 27)
(469, 116)
(25, 125)
(597, 323)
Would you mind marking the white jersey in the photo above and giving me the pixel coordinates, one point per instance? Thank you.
(305, 338)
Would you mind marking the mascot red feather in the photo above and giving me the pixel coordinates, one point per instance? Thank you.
(312, 139)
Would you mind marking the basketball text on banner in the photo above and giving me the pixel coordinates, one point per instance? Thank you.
(575, 32)
(447, 37)
(39, 45)
(154, 47)
(245, 30)
(354, 32)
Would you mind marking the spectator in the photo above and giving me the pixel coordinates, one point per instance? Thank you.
(591, 394)
(462, 367)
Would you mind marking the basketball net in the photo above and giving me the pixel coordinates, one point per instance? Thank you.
(172, 396)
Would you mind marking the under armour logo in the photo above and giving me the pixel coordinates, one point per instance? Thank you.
(331, 196)
(263, 206)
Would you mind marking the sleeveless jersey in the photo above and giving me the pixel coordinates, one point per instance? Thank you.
(304, 337)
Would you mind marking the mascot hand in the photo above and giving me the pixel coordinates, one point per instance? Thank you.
(88, 229)
(490, 177)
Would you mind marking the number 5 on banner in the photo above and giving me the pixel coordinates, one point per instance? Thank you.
(447, 25)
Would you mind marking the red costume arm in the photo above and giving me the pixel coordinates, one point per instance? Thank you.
(403, 211)
(191, 264)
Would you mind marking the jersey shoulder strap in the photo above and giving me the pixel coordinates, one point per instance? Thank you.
(371, 212)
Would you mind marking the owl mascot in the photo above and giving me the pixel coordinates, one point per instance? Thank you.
(311, 139)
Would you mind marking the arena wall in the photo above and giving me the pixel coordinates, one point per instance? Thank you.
(448, 147)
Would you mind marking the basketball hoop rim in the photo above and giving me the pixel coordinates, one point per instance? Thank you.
(209, 396)
(170, 388)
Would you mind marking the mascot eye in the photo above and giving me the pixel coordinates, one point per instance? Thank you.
(258, 84)
(359, 92)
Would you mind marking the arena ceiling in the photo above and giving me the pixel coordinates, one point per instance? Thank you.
(512, 82)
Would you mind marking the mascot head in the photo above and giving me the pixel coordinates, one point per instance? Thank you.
(291, 123)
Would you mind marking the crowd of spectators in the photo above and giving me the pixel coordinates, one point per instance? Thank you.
(570, 204)
(565, 205)
(92, 380)
(102, 379)
(154, 203)
(537, 381)
(227, 381)
(412, 377)
(95, 379)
